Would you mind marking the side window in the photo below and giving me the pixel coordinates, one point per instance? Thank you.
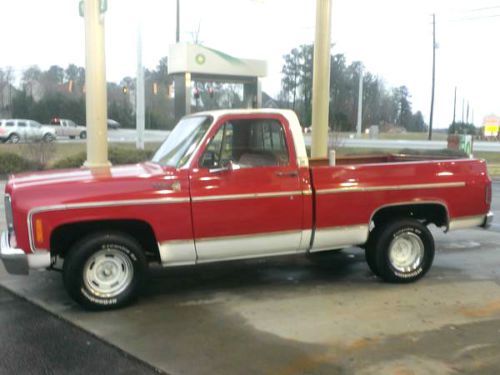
(21, 124)
(9, 123)
(247, 143)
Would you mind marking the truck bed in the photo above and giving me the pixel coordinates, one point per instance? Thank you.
(381, 158)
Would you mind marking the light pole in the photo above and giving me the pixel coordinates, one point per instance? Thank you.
(321, 80)
(139, 92)
(360, 102)
(95, 84)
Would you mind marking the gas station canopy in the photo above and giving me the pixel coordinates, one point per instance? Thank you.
(193, 62)
(197, 59)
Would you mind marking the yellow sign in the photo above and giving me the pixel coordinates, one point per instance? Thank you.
(491, 130)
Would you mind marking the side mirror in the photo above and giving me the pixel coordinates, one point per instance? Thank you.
(230, 166)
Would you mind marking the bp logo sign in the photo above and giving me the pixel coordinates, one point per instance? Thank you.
(200, 59)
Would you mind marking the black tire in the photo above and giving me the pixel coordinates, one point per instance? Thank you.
(82, 275)
(370, 251)
(14, 138)
(415, 242)
(48, 138)
(83, 135)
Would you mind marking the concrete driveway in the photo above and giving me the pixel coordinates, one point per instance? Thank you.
(295, 316)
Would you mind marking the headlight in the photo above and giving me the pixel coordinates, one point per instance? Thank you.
(8, 214)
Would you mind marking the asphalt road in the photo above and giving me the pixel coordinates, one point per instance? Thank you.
(296, 316)
(33, 341)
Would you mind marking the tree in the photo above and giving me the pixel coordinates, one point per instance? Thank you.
(462, 128)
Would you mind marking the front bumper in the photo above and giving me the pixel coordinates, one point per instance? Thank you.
(17, 262)
(488, 220)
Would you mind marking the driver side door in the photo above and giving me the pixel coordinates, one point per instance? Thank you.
(245, 192)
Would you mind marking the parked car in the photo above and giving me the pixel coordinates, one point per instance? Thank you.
(231, 185)
(68, 128)
(21, 130)
(112, 124)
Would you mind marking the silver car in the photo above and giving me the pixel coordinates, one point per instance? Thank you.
(21, 130)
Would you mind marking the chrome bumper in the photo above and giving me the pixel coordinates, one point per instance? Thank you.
(488, 220)
(17, 262)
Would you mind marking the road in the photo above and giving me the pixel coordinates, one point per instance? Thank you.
(33, 341)
(293, 315)
(126, 136)
(157, 136)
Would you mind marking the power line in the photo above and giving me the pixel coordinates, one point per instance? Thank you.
(481, 9)
(475, 18)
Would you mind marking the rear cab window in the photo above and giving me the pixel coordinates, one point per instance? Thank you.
(248, 143)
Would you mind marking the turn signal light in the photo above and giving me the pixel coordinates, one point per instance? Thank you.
(39, 230)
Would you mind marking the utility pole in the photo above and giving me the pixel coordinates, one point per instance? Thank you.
(463, 110)
(140, 117)
(178, 22)
(455, 105)
(321, 80)
(360, 101)
(467, 112)
(95, 84)
(433, 73)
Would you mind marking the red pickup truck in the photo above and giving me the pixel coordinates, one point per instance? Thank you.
(233, 185)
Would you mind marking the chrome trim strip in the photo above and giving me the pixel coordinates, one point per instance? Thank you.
(73, 206)
(388, 188)
(464, 222)
(251, 235)
(245, 196)
(307, 192)
(258, 245)
(331, 238)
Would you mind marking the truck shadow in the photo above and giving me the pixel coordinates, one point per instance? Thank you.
(283, 272)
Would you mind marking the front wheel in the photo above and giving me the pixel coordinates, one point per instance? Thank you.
(48, 138)
(104, 271)
(83, 135)
(401, 251)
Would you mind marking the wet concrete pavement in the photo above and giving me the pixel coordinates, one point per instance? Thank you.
(297, 316)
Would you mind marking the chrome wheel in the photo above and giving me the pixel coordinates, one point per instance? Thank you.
(406, 252)
(108, 273)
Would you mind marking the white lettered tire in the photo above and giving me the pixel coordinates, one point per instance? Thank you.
(104, 270)
(402, 251)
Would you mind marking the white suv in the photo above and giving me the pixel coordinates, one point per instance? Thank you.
(18, 130)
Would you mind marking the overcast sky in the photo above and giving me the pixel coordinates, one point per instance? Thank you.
(393, 38)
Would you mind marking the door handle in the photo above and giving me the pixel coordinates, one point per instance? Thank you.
(287, 174)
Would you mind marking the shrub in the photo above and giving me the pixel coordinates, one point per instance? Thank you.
(13, 163)
(117, 156)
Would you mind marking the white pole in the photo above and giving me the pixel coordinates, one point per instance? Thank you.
(95, 87)
(140, 95)
(321, 80)
(360, 102)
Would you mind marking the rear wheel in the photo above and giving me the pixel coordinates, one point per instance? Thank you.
(401, 251)
(104, 270)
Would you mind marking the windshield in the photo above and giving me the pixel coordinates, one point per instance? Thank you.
(182, 142)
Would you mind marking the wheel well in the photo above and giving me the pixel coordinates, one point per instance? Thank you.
(64, 236)
(435, 213)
